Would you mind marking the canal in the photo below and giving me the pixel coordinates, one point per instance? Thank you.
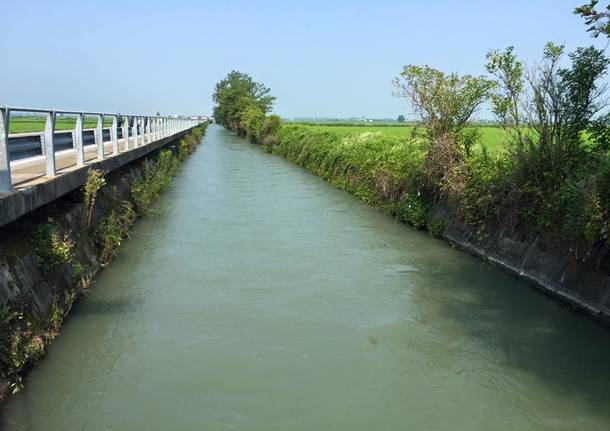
(258, 297)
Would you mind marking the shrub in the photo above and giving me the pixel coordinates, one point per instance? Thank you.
(113, 229)
(51, 248)
(413, 210)
(436, 228)
(153, 177)
(95, 181)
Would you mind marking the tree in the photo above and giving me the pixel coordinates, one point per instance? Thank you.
(597, 21)
(547, 109)
(508, 91)
(401, 118)
(229, 96)
(445, 102)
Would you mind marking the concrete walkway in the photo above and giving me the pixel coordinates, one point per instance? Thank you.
(32, 170)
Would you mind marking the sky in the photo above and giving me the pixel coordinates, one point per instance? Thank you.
(320, 58)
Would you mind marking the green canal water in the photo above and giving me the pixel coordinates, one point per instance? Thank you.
(260, 298)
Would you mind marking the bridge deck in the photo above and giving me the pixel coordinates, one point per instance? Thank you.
(32, 188)
(31, 171)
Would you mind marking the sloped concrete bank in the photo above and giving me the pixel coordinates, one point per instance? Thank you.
(555, 274)
(51, 256)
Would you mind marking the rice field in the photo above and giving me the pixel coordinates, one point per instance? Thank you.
(492, 137)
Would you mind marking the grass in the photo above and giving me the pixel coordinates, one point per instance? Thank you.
(31, 123)
(491, 137)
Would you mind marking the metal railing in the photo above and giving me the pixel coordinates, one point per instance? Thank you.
(137, 130)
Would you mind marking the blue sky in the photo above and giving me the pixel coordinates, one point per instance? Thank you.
(320, 58)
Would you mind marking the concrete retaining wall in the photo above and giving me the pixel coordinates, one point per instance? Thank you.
(556, 275)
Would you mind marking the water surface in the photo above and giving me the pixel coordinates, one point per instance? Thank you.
(258, 297)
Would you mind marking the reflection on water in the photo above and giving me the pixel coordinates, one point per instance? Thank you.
(260, 298)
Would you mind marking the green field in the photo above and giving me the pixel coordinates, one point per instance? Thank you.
(491, 136)
(28, 124)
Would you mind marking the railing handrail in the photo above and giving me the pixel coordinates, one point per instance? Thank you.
(142, 129)
(73, 112)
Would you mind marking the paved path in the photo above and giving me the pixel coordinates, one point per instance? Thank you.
(32, 170)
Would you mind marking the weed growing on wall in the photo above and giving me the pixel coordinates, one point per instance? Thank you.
(95, 181)
(114, 229)
(19, 345)
(51, 248)
(153, 178)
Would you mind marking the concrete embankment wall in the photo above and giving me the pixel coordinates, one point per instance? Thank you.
(38, 286)
(552, 272)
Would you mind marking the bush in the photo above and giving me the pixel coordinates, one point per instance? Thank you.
(152, 178)
(436, 228)
(95, 181)
(413, 210)
(51, 248)
(113, 229)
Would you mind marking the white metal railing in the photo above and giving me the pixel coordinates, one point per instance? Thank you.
(144, 130)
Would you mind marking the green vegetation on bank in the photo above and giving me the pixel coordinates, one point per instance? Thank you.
(549, 184)
(68, 251)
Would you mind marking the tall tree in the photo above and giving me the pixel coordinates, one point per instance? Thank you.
(229, 95)
(445, 102)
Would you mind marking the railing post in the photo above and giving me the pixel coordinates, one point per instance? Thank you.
(149, 130)
(99, 136)
(134, 131)
(146, 122)
(49, 144)
(141, 130)
(138, 141)
(146, 129)
(6, 185)
(114, 135)
(126, 132)
(78, 139)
